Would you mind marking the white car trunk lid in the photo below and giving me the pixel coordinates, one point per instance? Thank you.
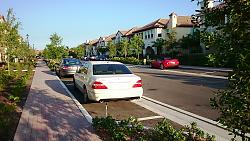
(118, 81)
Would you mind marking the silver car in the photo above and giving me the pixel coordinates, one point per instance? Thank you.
(68, 67)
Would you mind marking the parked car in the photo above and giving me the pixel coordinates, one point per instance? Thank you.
(102, 80)
(102, 58)
(163, 63)
(68, 66)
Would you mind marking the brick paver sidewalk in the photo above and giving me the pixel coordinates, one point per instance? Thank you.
(50, 113)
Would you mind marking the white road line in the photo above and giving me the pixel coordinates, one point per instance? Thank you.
(149, 118)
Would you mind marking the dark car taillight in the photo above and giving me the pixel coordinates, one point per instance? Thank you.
(138, 84)
(65, 67)
(99, 85)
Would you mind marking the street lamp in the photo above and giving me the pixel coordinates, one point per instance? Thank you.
(27, 38)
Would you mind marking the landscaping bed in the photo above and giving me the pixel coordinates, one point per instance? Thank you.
(132, 130)
(14, 89)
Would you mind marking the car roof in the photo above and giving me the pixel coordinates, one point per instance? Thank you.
(104, 62)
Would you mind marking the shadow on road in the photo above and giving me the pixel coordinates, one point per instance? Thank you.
(214, 83)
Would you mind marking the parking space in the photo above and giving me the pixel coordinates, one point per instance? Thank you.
(119, 109)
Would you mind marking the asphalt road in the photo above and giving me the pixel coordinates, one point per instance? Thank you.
(185, 91)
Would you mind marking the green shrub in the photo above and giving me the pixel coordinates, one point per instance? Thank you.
(131, 129)
(196, 134)
(6, 116)
(193, 59)
(128, 60)
(164, 131)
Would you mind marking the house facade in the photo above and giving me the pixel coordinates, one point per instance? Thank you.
(159, 28)
(125, 34)
(103, 43)
(182, 25)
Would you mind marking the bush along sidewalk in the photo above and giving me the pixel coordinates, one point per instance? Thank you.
(128, 60)
(12, 88)
(132, 130)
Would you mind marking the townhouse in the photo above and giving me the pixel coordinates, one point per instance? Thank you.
(126, 34)
(182, 25)
(159, 28)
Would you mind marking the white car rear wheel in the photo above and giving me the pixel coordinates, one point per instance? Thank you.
(85, 95)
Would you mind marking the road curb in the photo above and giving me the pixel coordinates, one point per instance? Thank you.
(196, 74)
(80, 107)
(184, 112)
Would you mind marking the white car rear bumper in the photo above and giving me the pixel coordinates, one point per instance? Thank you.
(105, 94)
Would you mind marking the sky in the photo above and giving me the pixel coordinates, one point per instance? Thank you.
(79, 20)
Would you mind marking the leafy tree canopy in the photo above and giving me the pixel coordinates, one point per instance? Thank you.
(231, 40)
(136, 44)
(55, 50)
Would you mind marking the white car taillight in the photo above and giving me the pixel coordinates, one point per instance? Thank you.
(137, 84)
(98, 85)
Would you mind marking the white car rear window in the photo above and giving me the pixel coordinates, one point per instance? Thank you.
(110, 69)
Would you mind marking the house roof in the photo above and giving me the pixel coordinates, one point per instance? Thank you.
(92, 42)
(2, 18)
(184, 21)
(157, 23)
(130, 31)
(109, 38)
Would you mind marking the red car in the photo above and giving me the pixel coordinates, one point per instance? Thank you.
(165, 63)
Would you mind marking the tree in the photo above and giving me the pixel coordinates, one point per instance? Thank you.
(170, 40)
(112, 49)
(11, 40)
(232, 40)
(159, 43)
(125, 48)
(55, 50)
(136, 44)
(191, 42)
(79, 51)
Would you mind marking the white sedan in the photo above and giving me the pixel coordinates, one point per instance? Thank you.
(102, 80)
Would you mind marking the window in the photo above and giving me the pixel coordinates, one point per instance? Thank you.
(159, 35)
(152, 35)
(110, 69)
(148, 36)
(70, 62)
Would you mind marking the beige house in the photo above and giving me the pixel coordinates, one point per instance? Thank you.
(126, 34)
(182, 25)
(103, 42)
(159, 28)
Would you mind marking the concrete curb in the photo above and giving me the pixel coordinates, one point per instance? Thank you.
(196, 74)
(82, 110)
(188, 67)
(206, 68)
(184, 112)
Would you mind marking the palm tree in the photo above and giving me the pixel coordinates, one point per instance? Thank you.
(159, 43)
